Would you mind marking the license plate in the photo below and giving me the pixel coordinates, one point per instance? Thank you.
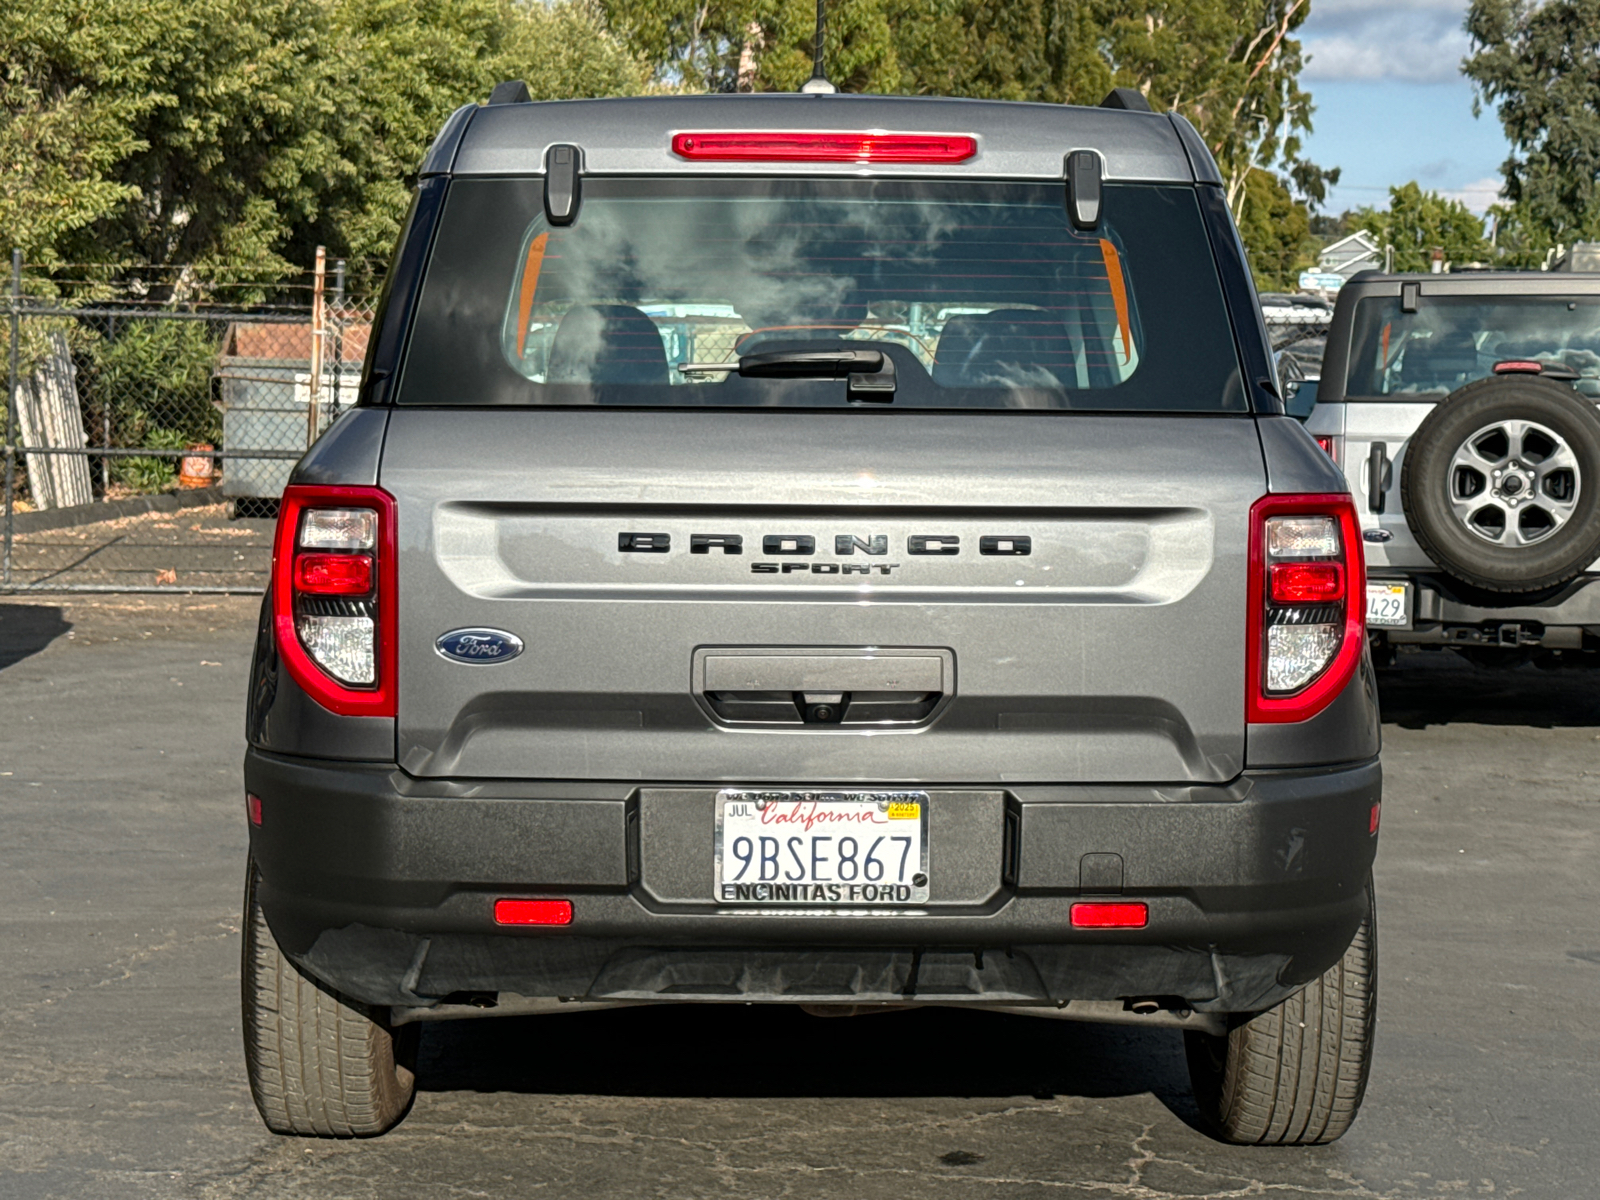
(1389, 605)
(834, 849)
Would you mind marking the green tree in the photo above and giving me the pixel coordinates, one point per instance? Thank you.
(1277, 231)
(247, 131)
(240, 147)
(1539, 64)
(409, 64)
(758, 45)
(995, 50)
(1417, 221)
(1516, 245)
(73, 85)
(1232, 68)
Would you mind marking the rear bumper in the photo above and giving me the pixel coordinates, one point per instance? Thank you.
(383, 887)
(1557, 620)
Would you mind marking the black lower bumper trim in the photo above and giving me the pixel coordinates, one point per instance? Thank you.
(1253, 890)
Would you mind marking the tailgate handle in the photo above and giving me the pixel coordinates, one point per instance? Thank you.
(853, 688)
(1379, 476)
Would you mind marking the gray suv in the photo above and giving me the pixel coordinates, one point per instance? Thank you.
(825, 550)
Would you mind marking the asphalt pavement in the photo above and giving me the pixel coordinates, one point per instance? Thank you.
(122, 843)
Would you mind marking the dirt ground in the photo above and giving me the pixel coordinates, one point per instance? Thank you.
(194, 547)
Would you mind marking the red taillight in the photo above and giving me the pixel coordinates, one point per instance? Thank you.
(1306, 623)
(333, 574)
(825, 147)
(1372, 821)
(1518, 367)
(1307, 583)
(334, 587)
(533, 912)
(1110, 915)
(1330, 445)
(252, 806)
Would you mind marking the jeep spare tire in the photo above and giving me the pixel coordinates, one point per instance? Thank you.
(1501, 484)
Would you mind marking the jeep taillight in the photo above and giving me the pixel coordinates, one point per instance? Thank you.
(1307, 613)
(333, 596)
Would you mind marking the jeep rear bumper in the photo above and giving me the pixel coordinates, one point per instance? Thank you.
(383, 886)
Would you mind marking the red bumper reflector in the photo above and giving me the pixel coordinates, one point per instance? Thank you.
(1307, 583)
(333, 574)
(533, 912)
(825, 147)
(1110, 916)
(252, 805)
(1372, 824)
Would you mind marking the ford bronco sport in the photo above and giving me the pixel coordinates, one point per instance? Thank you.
(1462, 411)
(826, 550)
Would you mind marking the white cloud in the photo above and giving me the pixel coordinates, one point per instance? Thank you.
(1477, 195)
(1415, 41)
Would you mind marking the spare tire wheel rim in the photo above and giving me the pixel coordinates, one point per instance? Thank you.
(1514, 483)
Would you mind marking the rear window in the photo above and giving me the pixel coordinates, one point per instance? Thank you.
(1453, 340)
(983, 295)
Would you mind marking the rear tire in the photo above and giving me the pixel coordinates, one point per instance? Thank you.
(320, 1065)
(1295, 1075)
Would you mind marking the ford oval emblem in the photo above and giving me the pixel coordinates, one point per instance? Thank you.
(1376, 535)
(479, 645)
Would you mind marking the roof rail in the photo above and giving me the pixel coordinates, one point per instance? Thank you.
(512, 91)
(1131, 99)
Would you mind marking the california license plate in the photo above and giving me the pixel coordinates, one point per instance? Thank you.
(834, 849)
(1389, 605)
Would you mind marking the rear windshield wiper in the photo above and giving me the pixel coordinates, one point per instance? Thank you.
(870, 372)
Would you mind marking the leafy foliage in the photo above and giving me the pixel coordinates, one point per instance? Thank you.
(1539, 63)
(155, 375)
(63, 131)
(1417, 221)
(1277, 231)
(1231, 67)
(409, 64)
(145, 473)
(248, 131)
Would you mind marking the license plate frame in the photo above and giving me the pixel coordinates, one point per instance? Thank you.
(1384, 592)
(804, 813)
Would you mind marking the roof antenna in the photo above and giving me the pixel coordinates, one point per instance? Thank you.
(818, 83)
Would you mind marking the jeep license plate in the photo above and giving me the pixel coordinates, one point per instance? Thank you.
(1389, 605)
(823, 849)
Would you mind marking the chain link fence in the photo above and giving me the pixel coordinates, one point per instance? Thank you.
(1299, 334)
(153, 419)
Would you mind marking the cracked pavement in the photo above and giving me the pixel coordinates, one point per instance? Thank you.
(122, 840)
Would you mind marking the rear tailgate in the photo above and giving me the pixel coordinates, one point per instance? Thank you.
(1101, 638)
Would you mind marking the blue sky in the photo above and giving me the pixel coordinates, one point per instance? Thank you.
(1392, 104)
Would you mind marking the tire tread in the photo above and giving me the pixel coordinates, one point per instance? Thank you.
(1296, 1074)
(319, 1064)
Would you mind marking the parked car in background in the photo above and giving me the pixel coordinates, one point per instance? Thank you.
(1298, 326)
(1461, 409)
(1284, 307)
